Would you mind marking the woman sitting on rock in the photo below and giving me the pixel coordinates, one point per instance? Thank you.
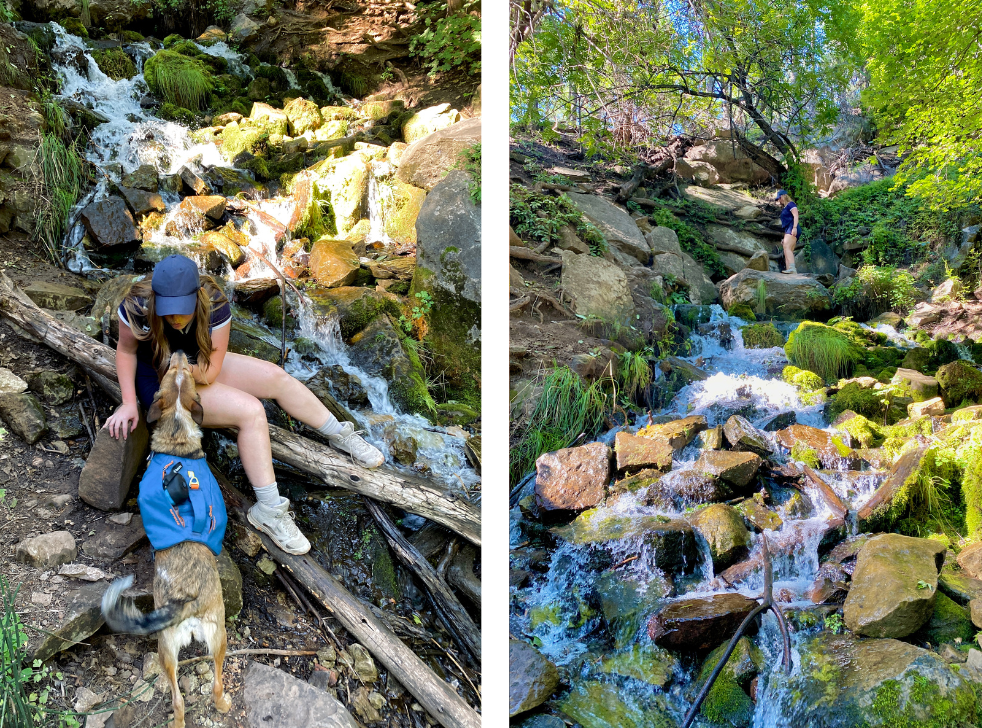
(179, 310)
(789, 223)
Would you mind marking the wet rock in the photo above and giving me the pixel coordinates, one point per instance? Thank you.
(960, 587)
(950, 623)
(191, 183)
(903, 472)
(683, 488)
(745, 437)
(736, 468)
(53, 387)
(47, 551)
(913, 384)
(276, 699)
(398, 268)
(345, 386)
(111, 466)
(249, 339)
(143, 178)
(678, 433)
(427, 160)
(689, 372)
(448, 268)
(23, 414)
(10, 383)
(595, 704)
(572, 479)
(428, 120)
(894, 586)
(378, 349)
(779, 421)
(597, 288)
(845, 681)
(785, 295)
(626, 604)
(113, 541)
(82, 619)
(364, 667)
(333, 263)
(255, 291)
(210, 206)
(109, 222)
(699, 624)
(56, 296)
(617, 227)
(231, 580)
(759, 516)
(636, 453)
(227, 248)
(959, 382)
(933, 407)
(532, 678)
(142, 202)
(727, 702)
(711, 439)
(831, 585)
(829, 449)
(723, 528)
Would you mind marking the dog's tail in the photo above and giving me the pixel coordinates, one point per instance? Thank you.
(122, 615)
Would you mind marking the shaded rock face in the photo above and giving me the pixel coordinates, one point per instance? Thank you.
(787, 296)
(572, 479)
(276, 699)
(730, 162)
(24, 416)
(911, 383)
(736, 468)
(893, 586)
(597, 287)
(82, 619)
(111, 466)
(845, 681)
(699, 624)
(448, 270)
(231, 580)
(109, 222)
(617, 227)
(379, 351)
(745, 437)
(56, 296)
(722, 527)
(426, 161)
(532, 679)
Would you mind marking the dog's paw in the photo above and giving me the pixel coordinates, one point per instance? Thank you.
(223, 704)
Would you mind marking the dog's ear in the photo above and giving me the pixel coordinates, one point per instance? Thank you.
(154, 413)
(197, 412)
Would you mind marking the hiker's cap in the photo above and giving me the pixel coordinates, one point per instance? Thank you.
(780, 194)
(175, 284)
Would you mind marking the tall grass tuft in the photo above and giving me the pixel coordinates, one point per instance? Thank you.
(634, 373)
(566, 408)
(85, 16)
(823, 350)
(62, 176)
(178, 79)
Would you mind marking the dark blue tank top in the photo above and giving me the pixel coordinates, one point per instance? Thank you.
(787, 218)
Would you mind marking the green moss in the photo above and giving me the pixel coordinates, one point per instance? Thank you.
(924, 706)
(761, 336)
(74, 26)
(867, 402)
(278, 81)
(172, 112)
(960, 382)
(257, 165)
(822, 349)
(802, 379)
(114, 63)
(727, 702)
(178, 79)
(863, 431)
(131, 36)
(186, 48)
(172, 39)
(949, 623)
(454, 413)
(743, 311)
(237, 138)
(801, 453)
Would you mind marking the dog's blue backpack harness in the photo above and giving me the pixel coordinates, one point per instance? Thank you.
(180, 500)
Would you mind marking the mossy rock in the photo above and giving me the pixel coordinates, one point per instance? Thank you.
(226, 85)
(824, 350)
(960, 383)
(172, 39)
(867, 402)
(596, 704)
(918, 359)
(313, 86)
(131, 36)
(761, 336)
(727, 703)
(75, 27)
(186, 48)
(646, 664)
(173, 112)
(278, 81)
(303, 116)
(239, 137)
(626, 606)
(802, 453)
(114, 63)
(178, 79)
(950, 623)
(862, 430)
(453, 413)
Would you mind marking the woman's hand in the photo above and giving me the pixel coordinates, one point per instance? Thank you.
(123, 420)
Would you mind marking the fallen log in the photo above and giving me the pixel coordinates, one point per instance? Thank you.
(407, 492)
(450, 611)
(434, 694)
(525, 254)
(630, 187)
(432, 539)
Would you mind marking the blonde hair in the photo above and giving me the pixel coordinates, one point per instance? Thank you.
(209, 294)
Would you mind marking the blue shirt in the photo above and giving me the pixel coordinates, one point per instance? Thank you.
(787, 218)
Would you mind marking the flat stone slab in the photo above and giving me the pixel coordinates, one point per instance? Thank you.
(275, 699)
(82, 619)
(47, 551)
(113, 541)
(699, 624)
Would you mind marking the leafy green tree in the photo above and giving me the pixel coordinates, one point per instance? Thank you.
(925, 91)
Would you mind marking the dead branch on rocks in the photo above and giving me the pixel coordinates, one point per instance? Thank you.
(525, 254)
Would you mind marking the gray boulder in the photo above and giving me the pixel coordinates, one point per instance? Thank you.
(24, 416)
(702, 292)
(617, 227)
(785, 295)
(47, 551)
(597, 287)
(82, 618)
(427, 161)
(736, 241)
(111, 466)
(276, 699)
(109, 222)
(532, 678)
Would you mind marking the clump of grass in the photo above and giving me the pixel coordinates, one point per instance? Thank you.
(566, 408)
(179, 80)
(634, 373)
(829, 353)
(61, 184)
(469, 160)
(761, 336)
(539, 218)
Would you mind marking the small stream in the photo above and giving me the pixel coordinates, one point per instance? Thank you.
(565, 608)
(135, 136)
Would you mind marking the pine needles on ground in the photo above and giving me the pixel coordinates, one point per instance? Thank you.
(61, 182)
(566, 408)
(178, 79)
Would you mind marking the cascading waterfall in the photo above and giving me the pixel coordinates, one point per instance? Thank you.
(134, 136)
(556, 608)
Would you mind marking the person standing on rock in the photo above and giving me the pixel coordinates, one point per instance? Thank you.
(789, 223)
(178, 309)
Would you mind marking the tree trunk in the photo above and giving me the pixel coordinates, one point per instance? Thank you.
(450, 611)
(407, 492)
(439, 699)
(628, 189)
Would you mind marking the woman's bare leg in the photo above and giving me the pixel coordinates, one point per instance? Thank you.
(226, 406)
(789, 242)
(267, 381)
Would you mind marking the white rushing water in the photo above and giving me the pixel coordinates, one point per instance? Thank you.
(134, 136)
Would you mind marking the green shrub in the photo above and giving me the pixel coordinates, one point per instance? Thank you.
(875, 290)
(178, 80)
(761, 336)
(829, 353)
(448, 40)
(525, 206)
(869, 403)
(115, 63)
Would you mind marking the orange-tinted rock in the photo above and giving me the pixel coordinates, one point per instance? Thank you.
(677, 433)
(636, 453)
(736, 468)
(333, 263)
(572, 479)
(211, 206)
(699, 624)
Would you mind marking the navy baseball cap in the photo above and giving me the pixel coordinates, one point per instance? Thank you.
(780, 194)
(175, 285)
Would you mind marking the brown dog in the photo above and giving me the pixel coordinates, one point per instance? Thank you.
(187, 593)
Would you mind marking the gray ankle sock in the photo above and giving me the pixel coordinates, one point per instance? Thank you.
(269, 495)
(331, 427)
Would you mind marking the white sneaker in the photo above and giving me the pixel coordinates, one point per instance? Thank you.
(790, 271)
(278, 524)
(350, 441)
